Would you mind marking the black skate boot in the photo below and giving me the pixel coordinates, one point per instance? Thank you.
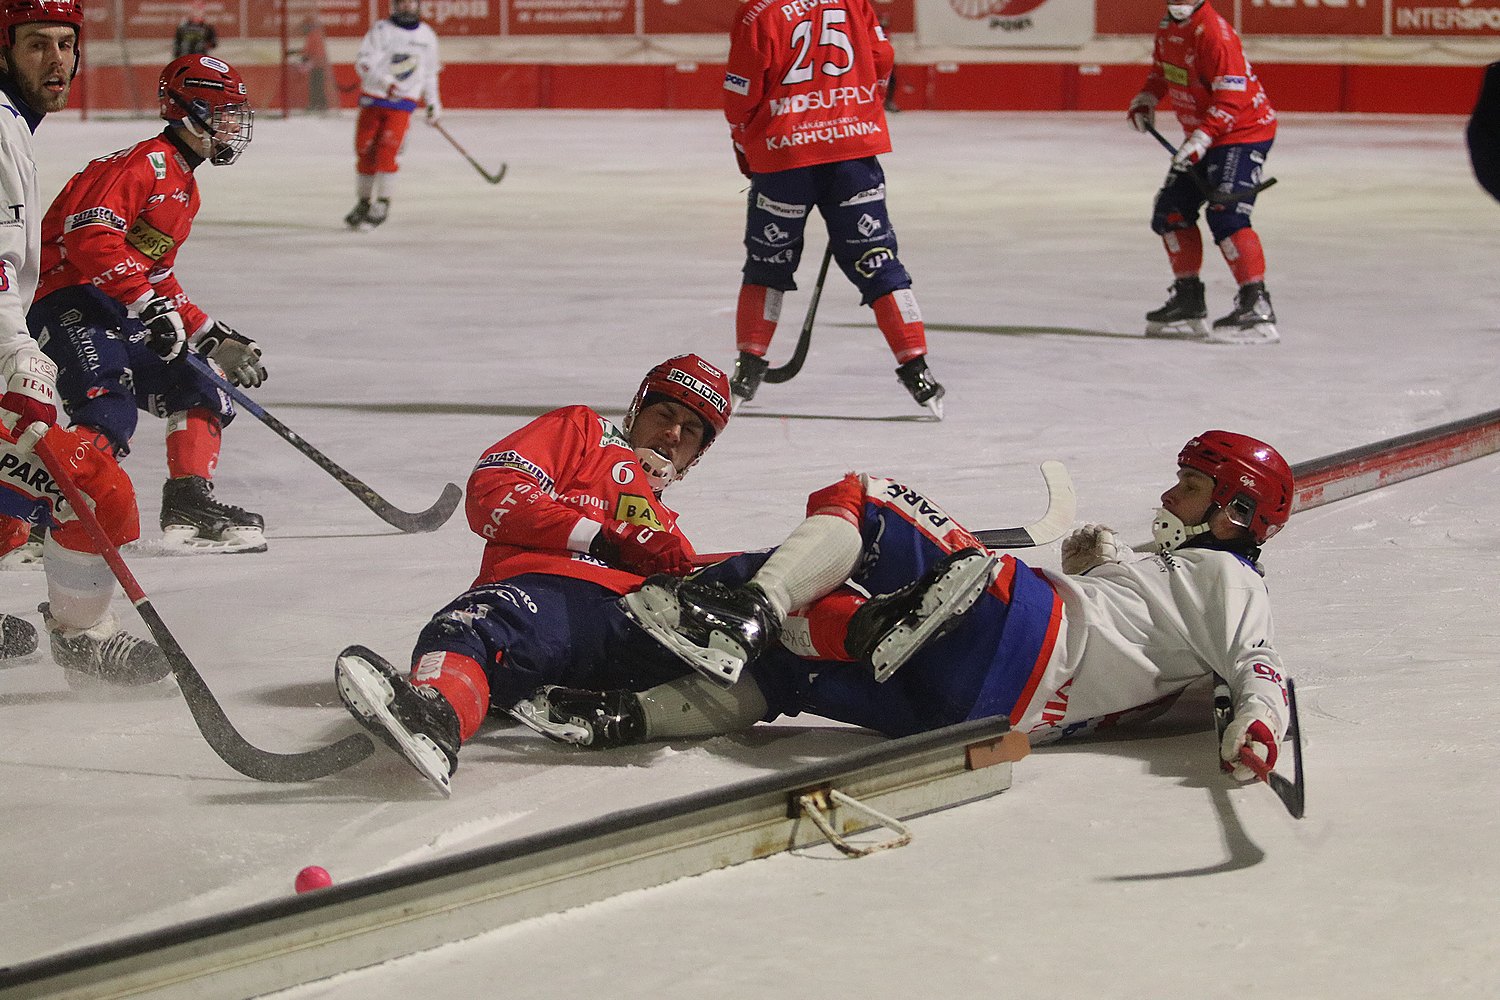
(1185, 315)
(925, 389)
(1252, 320)
(888, 629)
(358, 214)
(376, 214)
(599, 720)
(416, 722)
(714, 629)
(193, 521)
(748, 372)
(103, 652)
(17, 637)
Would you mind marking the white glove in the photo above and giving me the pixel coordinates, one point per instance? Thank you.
(1092, 545)
(1191, 150)
(234, 352)
(1142, 113)
(434, 112)
(165, 333)
(1253, 731)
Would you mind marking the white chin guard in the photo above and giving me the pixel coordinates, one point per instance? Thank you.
(1169, 531)
(1180, 12)
(660, 472)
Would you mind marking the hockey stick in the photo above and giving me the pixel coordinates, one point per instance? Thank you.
(789, 370)
(1062, 504)
(1204, 188)
(492, 178)
(217, 730)
(427, 520)
(1292, 793)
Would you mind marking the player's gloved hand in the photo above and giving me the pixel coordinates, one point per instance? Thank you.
(234, 352)
(1191, 150)
(1142, 113)
(740, 161)
(1092, 545)
(640, 549)
(30, 401)
(1248, 749)
(434, 112)
(165, 333)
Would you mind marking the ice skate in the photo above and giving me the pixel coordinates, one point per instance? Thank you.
(17, 637)
(1252, 321)
(193, 522)
(104, 652)
(416, 722)
(925, 389)
(599, 720)
(1185, 314)
(714, 629)
(748, 373)
(358, 214)
(888, 629)
(27, 555)
(375, 214)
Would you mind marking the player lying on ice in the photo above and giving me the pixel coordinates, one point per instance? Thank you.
(1113, 637)
(1060, 653)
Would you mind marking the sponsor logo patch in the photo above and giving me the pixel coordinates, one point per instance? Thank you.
(736, 84)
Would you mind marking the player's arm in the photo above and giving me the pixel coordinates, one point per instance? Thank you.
(28, 378)
(104, 205)
(1221, 62)
(371, 62)
(744, 76)
(1257, 681)
(510, 495)
(881, 49)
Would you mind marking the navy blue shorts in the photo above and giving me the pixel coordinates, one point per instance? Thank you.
(1226, 168)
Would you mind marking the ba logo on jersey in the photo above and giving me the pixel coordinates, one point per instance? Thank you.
(637, 510)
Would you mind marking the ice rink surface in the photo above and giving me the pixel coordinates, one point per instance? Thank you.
(1124, 868)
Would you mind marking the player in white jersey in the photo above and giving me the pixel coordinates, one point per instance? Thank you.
(398, 68)
(1114, 636)
(38, 59)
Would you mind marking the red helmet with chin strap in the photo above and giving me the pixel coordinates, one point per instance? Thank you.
(1252, 482)
(14, 13)
(207, 97)
(693, 382)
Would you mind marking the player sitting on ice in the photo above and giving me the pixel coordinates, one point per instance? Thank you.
(571, 514)
(1112, 637)
(112, 315)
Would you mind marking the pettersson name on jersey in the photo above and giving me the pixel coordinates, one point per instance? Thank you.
(826, 133)
(819, 100)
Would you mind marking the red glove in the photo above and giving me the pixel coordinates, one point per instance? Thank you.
(29, 409)
(640, 549)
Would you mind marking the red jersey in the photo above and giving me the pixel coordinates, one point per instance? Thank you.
(535, 495)
(1201, 67)
(805, 83)
(118, 224)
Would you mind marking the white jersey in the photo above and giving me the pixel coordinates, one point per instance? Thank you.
(1135, 634)
(399, 64)
(20, 244)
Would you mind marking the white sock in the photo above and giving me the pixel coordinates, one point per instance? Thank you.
(80, 586)
(816, 559)
(364, 184)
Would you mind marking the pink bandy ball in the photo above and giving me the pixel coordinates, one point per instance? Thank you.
(312, 877)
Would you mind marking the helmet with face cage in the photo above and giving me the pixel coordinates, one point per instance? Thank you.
(207, 97)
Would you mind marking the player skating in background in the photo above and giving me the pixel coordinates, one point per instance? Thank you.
(398, 65)
(804, 93)
(1199, 65)
(1112, 637)
(570, 511)
(38, 59)
(112, 314)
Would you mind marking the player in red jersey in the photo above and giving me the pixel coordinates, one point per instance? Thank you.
(113, 316)
(1199, 66)
(804, 92)
(570, 511)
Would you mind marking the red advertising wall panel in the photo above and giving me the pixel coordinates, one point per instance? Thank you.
(1133, 17)
(1458, 18)
(1447, 90)
(1310, 17)
(572, 17)
(341, 18)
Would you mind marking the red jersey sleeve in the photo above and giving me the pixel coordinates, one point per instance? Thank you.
(511, 493)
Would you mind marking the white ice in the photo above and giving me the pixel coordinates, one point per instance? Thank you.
(1126, 868)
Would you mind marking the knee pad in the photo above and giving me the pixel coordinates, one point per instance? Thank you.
(96, 473)
(1226, 220)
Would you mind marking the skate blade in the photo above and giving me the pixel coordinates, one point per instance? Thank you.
(952, 595)
(1260, 333)
(367, 695)
(935, 405)
(718, 665)
(92, 687)
(534, 716)
(1187, 329)
(184, 540)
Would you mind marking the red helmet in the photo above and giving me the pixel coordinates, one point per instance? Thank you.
(693, 382)
(207, 97)
(14, 13)
(1252, 482)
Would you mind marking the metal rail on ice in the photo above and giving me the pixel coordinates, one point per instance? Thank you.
(300, 939)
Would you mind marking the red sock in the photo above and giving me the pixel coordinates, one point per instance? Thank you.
(901, 322)
(462, 683)
(1184, 251)
(193, 443)
(755, 319)
(1246, 259)
(828, 624)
